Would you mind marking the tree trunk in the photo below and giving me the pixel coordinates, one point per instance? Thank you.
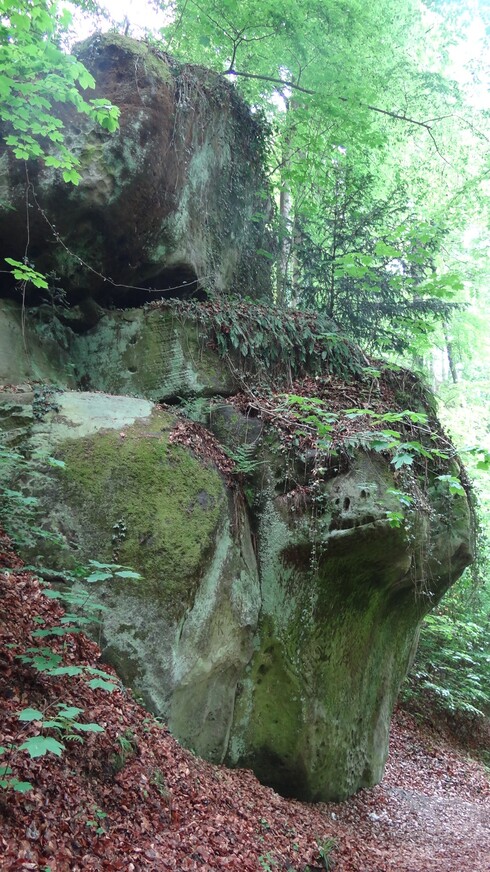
(285, 241)
(450, 355)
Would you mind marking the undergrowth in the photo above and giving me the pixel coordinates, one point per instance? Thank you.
(277, 343)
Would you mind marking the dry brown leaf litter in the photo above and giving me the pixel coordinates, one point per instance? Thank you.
(167, 810)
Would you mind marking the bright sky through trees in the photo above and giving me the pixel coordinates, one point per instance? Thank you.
(140, 15)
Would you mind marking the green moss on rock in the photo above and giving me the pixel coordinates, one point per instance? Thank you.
(145, 503)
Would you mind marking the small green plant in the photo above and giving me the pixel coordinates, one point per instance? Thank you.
(158, 779)
(19, 512)
(325, 848)
(64, 722)
(96, 822)
(280, 343)
(127, 748)
(24, 272)
(244, 459)
(267, 861)
(316, 421)
(397, 518)
(454, 485)
(58, 718)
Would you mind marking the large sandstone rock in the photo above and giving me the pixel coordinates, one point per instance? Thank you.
(342, 595)
(173, 201)
(146, 353)
(274, 621)
(183, 634)
(272, 635)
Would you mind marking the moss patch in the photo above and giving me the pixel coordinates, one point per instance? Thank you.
(140, 501)
(112, 43)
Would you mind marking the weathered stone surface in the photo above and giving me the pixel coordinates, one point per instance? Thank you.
(289, 663)
(28, 352)
(135, 352)
(342, 595)
(183, 634)
(273, 622)
(170, 201)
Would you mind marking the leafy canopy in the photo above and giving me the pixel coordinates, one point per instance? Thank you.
(36, 76)
(377, 152)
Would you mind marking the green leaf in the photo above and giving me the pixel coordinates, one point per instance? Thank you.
(455, 486)
(66, 670)
(22, 786)
(93, 671)
(98, 576)
(103, 685)
(54, 631)
(86, 79)
(89, 728)
(68, 711)
(71, 176)
(38, 746)
(127, 573)
(402, 459)
(383, 250)
(30, 714)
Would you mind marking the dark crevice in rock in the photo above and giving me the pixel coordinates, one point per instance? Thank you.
(179, 282)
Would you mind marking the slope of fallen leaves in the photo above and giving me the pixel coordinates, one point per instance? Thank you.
(131, 798)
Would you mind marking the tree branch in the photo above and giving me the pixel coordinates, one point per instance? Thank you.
(284, 83)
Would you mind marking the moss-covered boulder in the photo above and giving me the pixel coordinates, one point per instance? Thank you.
(112, 486)
(343, 591)
(173, 201)
(273, 635)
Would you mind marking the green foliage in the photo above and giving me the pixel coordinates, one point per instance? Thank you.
(59, 717)
(18, 515)
(325, 848)
(275, 343)
(127, 747)
(368, 263)
(36, 77)
(96, 823)
(378, 150)
(312, 414)
(397, 518)
(452, 666)
(243, 456)
(25, 273)
(64, 721)
(267, 861)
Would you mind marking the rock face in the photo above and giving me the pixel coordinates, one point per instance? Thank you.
(278, 606)
(172, 201)
(271, 632)
(342, 595)
(182, 636)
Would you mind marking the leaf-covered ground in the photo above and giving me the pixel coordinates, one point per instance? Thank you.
(132, 799)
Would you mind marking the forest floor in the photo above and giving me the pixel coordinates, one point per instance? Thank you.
(132, 799)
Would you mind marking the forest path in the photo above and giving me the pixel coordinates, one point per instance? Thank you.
(431, 813)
